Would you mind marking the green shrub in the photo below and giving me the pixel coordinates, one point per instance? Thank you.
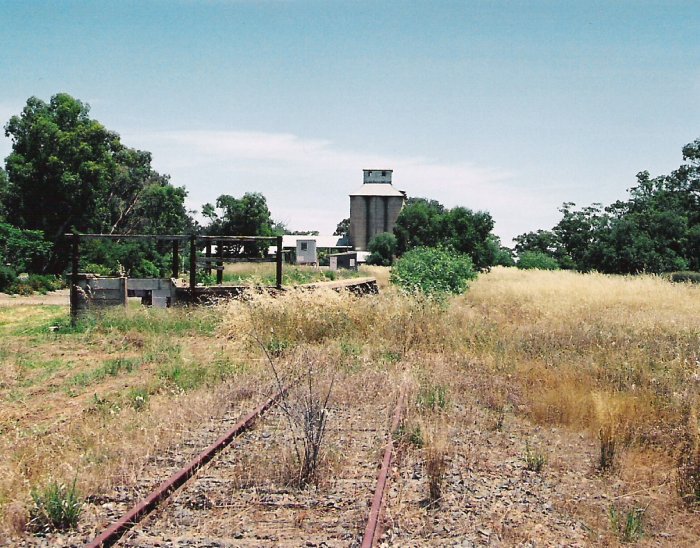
(382, 249)
(8, 278)
(98, 269)
(44, 282)
(410, 435)
(26, 285)
(56, 507)
(433, 271)
(26, 250)
(537, 260)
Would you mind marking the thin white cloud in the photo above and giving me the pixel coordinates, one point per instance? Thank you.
(307, 181)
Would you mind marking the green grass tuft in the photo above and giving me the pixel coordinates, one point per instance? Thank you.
(56, 507)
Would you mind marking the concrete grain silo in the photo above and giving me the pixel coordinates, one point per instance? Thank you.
(374, 208)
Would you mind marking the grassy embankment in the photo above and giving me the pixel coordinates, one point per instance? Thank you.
(613, 358)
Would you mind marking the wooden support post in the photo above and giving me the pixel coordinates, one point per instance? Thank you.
(207, 253)
(193, 268)
(176, 259)
(279, 262)
(220, 263)
(75, 260)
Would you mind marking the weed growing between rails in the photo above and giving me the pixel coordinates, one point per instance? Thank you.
(56, 507)
(306, 405)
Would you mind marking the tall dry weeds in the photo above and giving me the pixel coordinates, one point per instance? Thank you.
(586, 346)
(436, 453)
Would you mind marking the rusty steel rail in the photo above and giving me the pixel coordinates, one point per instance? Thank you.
(112, 534)
(373, 522)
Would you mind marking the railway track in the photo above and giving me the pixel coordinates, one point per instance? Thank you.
(236, 492)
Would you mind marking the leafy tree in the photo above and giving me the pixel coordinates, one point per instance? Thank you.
(420, 223)
(60, 167)
(382, 249)
(22, 250)
(427, 223)
(67, 171)
(343, 227)
(469, 232)
(542, 241)
(160, 209)
(4, 189)
(502, 255)
(575, 233)
(141, 200)
(433, 271)
(246, 216)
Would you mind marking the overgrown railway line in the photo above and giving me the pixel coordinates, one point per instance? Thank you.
(236, 492)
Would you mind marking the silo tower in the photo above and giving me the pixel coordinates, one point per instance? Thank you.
(374, 207)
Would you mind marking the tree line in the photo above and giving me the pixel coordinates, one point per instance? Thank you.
(67, 172)
(656, 230)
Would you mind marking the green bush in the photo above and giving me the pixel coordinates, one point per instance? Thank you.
(25, 250)
(43, 283)
(137, 259)
(8, 278)
(537, 260)
(433, 271)
(26, 285)
(382, 249)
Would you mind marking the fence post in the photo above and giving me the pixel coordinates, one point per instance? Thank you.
(279, 262)
(207, 253)
(75, 260)
(176, 260)
(220, 263)
(193, 268)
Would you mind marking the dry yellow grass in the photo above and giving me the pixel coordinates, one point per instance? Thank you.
(590, 353)
(591, 349)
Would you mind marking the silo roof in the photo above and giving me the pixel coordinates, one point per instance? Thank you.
(377, 189)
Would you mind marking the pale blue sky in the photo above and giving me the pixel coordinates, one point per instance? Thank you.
(510, 107)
